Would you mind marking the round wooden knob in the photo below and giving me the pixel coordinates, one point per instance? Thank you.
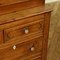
(14, 47)
(26, 31)
(32, 48)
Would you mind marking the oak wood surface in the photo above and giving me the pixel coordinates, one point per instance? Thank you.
(1, 37)
(20, 6)
(21, 49)
(15, 16)
(46, 35)
(17, 31)
(8, 2)
(32, 57)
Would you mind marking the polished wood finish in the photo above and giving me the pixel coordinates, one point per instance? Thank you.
(19, 30)
(46, 35)
(8, 2)
(19, 6)
(1, 37)
(33, 57)
(19, 21)
(22, 50)
(24, 29)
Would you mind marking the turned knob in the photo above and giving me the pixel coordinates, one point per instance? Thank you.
(32, 48)
(14, 47)
(26, 30)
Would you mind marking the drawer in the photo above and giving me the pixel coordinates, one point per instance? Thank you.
(25, 29)
(23, 50)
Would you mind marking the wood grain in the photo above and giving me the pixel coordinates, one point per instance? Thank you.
(15, 17)
(21, 49)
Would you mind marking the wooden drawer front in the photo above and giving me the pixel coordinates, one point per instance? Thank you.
(23, 30)
(23, 50)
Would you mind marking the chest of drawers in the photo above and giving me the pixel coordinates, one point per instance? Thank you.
(24, 29)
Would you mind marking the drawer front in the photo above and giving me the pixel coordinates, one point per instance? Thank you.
(23, 50)
(22, 30)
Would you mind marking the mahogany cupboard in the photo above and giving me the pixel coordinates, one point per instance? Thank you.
(24, 28)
